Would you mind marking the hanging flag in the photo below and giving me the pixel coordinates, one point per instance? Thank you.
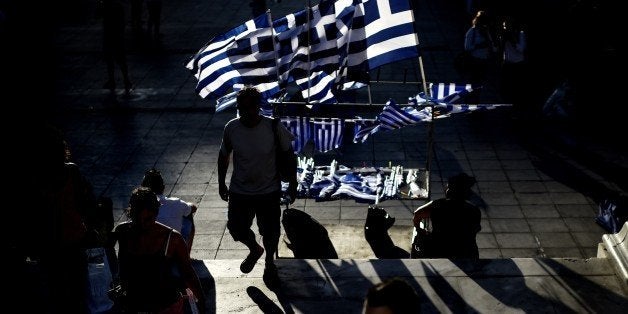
(327, 133)
(300, 128)
(362, 128)
(395, 117)
(447, 93)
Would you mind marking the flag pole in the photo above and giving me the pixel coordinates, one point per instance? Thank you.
(430, 139)
(273, 35)
(309, 51)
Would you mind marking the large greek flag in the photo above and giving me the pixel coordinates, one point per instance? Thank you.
(315, 47)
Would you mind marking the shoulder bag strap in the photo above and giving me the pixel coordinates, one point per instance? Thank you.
(167, 243)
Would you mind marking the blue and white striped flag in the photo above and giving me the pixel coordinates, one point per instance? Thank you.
(318, 88)
(317, 45)
(382, 31)
(327, 133)
(447, 93)
(243, 55)
(362, 128)
(300, 128)
(394, 117)
(226, 101)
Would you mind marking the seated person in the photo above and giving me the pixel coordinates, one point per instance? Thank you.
(173, 212)
(454, 221)
(154, 267)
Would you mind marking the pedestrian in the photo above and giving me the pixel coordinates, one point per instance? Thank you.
(173, 212)
(154, 19)
(479, 43)
(392, 296)
(113, 44)
(154, 267)
(513, 65)
(136, 17)
(454, 221)
(55, 229)
(255, 187)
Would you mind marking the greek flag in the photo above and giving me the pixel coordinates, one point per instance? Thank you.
(362, 128)
(317, 46)
(300, 128)
(382, 31)
(243, 55)
(317, 88)
(446, 93)
(394, 117)
(327, 133)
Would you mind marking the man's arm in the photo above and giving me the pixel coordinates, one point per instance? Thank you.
(223, 165)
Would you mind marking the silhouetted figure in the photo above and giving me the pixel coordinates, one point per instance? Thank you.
(55, 230)
(153, 260)
(455, 221)
(392, 296)
(514, 66)
(255, 186)
(173, 212)
(154, 18)
(113, 43)
(136, 17)
(478, 41)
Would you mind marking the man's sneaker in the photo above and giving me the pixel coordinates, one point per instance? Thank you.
(271, 277)
(250, 260)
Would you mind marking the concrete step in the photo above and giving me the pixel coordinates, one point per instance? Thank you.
(444, 286)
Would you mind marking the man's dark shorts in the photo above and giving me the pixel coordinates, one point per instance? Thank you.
(243, 208)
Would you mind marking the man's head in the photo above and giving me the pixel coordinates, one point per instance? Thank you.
(392, 296)
(459, 186)
(154, 181)
(249, 99)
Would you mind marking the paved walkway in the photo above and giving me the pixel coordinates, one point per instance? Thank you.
(538, 184)
(538, 191)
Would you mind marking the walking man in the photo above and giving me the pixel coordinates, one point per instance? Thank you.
(255, 187)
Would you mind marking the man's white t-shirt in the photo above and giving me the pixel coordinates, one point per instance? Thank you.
(254, 153)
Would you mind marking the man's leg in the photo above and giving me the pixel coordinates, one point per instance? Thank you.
(268, 221)
(240, 218)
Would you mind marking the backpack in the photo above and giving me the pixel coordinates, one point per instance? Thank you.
(308, 237)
